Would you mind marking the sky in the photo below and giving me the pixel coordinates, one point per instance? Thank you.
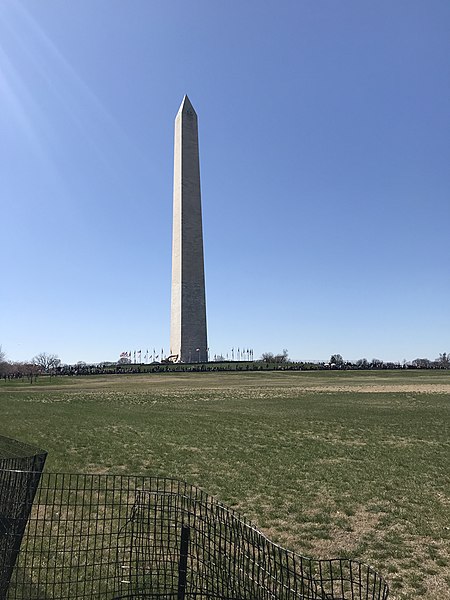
(325, 168)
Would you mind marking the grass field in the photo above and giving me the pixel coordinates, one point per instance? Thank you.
(327, 463)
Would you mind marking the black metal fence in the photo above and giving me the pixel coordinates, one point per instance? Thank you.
(115, 537)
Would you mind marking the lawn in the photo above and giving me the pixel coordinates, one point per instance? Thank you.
(328, 464)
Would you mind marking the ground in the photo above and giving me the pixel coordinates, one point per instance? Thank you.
(326, 463)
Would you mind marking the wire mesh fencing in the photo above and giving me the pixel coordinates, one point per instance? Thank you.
(20, 470)
(119, 537)
(105, 536)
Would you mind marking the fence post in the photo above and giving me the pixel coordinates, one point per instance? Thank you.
(182, 564)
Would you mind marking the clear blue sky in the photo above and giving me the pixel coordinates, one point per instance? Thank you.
(325, 164)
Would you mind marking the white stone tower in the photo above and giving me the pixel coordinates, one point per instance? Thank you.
(188, 340)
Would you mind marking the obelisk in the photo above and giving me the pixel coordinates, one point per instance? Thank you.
(188, 341)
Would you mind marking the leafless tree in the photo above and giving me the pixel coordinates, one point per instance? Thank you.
(444, 360)
(3, 364)
(283, 357)
(269, 357)
(362, 363)
(421, 363)
(336, 359)
(46, 362)
(376, 363)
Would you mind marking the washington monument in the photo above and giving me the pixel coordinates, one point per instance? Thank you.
(188, 341)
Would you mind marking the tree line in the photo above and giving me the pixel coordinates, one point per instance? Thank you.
(50, 364)
(338, 362)
(42, 363)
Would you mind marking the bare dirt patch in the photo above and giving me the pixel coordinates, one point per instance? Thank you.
(347, 535)
(436, 588)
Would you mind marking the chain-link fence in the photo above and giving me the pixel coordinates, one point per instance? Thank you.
(116, 537)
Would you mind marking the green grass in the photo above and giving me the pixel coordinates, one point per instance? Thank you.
(327, 463)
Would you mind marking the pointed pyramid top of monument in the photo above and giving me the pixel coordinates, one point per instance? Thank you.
(186, 106)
